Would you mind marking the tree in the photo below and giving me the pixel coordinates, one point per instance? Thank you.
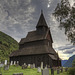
(65, 14)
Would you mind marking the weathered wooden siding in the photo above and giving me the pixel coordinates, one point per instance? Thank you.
(37, 59)
(34, 43)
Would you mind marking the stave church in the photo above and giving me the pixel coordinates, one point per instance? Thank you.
(36, 47)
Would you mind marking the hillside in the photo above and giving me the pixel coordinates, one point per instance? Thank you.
(7, 45)
(69, 62)
(63, 62)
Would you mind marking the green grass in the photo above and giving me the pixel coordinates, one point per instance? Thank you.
(13, 69)
(64, 73)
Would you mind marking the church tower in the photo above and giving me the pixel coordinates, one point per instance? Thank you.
(42, 25)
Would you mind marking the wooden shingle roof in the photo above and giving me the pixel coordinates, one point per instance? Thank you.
(41, 49)
(33, 36)
(53, 56)
(41, 21)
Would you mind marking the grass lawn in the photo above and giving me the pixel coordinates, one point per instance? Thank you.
(13, 69)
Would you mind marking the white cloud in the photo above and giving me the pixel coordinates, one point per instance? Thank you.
(74, 53)
(64, 56)
(66, 51)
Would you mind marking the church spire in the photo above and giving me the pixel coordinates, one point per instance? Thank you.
(41, 22)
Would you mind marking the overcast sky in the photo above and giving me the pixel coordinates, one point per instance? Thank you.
(18, 17)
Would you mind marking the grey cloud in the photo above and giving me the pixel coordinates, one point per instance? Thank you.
(20, 16)
(67, 49)
(70, 51)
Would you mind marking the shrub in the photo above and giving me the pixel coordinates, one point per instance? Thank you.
(71, 71)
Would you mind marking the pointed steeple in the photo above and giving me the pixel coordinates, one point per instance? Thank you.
(41, 22)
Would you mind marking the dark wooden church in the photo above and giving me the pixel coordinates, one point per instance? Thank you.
(37, 47)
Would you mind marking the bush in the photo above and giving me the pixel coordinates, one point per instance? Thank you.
(71, 71)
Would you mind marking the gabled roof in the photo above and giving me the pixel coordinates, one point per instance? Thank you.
(41, 21)
(48, 32)
(31, 50)
(33, 36)
(39, 49)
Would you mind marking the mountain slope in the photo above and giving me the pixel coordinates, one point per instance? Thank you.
(63, 62)
(69, 62)
(7, 45)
